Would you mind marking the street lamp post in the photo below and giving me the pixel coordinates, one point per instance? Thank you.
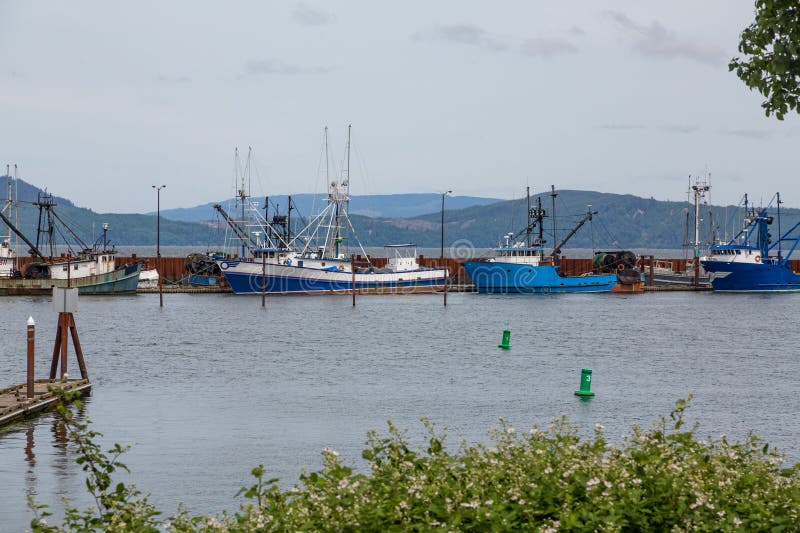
(441, 251)
(158, 244)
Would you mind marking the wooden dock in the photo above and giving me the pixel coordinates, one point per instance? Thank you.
(676, 288)
(14, 404)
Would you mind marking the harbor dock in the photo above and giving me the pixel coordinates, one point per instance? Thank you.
(15, 404)
(175, 277)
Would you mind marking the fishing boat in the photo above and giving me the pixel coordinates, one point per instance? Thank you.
(665, 273)
(752, 261)
(316, 259)
(524, 267)
(91, 269)
(320, 274)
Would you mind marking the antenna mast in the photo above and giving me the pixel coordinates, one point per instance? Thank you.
(553, 194)
(528, 228)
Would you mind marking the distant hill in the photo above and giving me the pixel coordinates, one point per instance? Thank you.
(624, 221)
(376, 205)
(125, 229)
(26, 192)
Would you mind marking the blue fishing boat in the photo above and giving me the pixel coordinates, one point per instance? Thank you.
(752, 261)
(524, 268)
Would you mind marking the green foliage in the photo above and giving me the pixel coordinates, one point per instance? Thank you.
(771, 46)
(660, 479)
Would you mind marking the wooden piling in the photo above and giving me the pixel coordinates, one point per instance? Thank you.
(353, 271)
(31, 353)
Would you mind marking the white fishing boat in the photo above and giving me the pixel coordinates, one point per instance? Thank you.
(316, 260)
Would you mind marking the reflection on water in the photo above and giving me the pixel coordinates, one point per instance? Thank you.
(30, 458)
(212, 385)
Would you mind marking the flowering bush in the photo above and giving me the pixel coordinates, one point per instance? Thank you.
(663, 478)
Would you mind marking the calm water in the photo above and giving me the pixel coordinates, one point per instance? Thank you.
(212, 385)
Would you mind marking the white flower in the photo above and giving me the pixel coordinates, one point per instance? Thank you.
(403, 505)
(736, 521)
(548, 470)
(592, 482)
(488, 502)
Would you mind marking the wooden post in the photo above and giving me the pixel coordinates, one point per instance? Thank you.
(66, 327)
(353, 271)
(63, 327)
(31, 336)
(446, 277)
(263, 279)
(56, 350)
(77, 344)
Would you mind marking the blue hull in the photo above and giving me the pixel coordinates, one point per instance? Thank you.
(499, 277)
(252, 284)
(761, 277)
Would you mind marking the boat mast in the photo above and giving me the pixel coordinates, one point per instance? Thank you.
(700, 189)
(289, 221)
(528, 229)
(746, 221)
(553, 194)
(780, 235)
(540, 220)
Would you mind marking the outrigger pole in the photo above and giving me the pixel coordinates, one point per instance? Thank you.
(586, 218)
(34, 250)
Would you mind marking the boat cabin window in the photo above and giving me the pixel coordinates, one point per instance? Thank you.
(738, 252)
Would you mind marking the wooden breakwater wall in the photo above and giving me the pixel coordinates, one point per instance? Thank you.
(173, 269)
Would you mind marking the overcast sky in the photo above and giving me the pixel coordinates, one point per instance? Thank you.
(100, 99)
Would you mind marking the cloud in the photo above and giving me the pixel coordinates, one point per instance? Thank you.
(268, 67)
(172, 79)
(669, 128)
(622, 127)
(760, 135)
(306, 15)
(542, 47)
(679, 128)
(466, 34)
(657, 41)
(576, 31)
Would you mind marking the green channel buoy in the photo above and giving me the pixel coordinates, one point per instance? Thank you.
(505, 343)
(586, 384)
